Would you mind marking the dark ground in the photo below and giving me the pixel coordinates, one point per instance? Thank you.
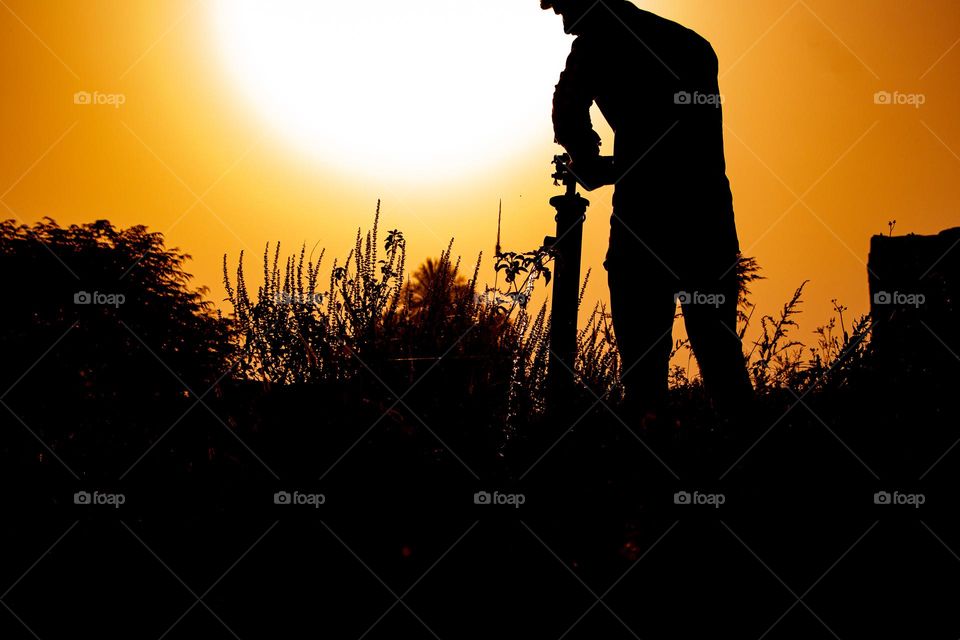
(798, 549)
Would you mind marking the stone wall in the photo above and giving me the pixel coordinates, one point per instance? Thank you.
(914, 302)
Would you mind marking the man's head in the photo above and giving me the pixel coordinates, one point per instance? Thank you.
(574, 12)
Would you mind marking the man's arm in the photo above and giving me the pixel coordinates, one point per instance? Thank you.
(572, 127)
(571, 108)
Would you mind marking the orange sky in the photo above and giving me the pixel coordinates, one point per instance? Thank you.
(187, 155)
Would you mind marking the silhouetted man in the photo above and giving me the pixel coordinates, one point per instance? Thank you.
(672, 235)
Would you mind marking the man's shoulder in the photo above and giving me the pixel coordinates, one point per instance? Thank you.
(659, 28)
(671, 41)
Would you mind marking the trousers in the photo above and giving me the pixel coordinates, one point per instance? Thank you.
(649, 272)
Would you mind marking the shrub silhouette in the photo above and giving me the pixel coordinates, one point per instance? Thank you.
(290, 332)
(127, 337)
(376, 332)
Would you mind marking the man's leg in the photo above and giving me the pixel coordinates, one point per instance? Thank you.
(710, 316)
(643, 309)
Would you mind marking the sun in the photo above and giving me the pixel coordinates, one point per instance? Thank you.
(408, 89)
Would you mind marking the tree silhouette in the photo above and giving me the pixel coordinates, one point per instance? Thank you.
(435, 281)
(105, 322)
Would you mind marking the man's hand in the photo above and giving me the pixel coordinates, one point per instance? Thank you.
(593, 172)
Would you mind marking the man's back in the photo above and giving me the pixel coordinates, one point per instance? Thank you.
(655, 82)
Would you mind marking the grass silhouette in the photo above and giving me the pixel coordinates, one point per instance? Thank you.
(426, 372)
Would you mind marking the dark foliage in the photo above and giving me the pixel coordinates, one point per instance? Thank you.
(103, 340)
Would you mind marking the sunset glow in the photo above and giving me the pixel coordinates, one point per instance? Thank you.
(424, 89)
